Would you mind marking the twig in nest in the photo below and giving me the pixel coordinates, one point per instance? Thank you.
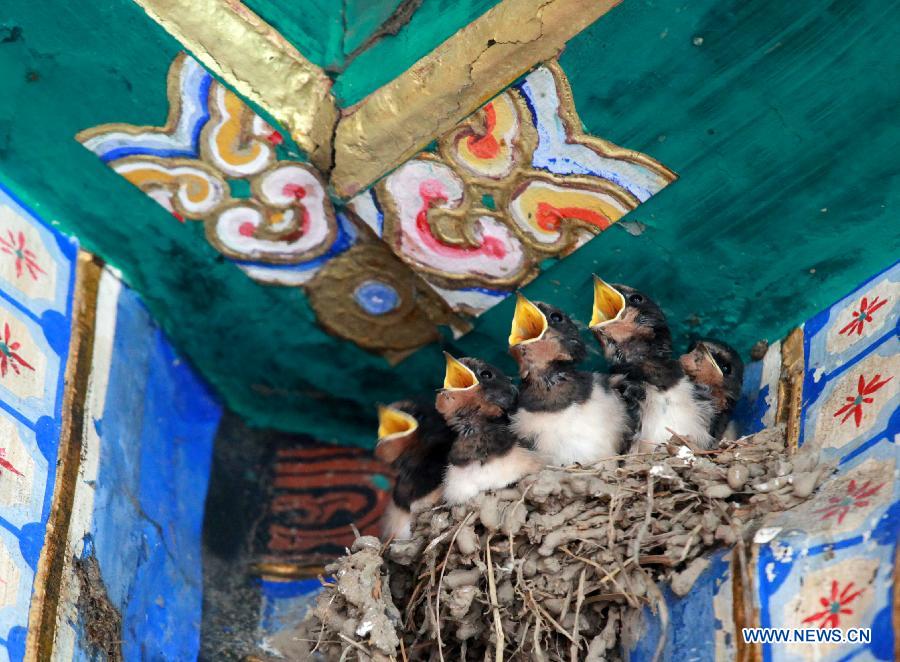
(687, 543)
(663, 618)
(355, 644)
(495, 604)
(543, 612)
(437, 599)
(574, 648)
(645, 526)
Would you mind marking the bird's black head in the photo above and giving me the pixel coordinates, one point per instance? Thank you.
(474, 389)
(542, 335)
(630, 326)
(716, 365)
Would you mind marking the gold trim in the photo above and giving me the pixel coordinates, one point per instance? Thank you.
(895, 608)
(790, 387)
(48, 578)
(395, 122)
(744, 612)
(266, 68)
(568, 113)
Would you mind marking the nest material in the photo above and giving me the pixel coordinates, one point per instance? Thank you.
(558, 566)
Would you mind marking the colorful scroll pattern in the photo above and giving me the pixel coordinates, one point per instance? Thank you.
(283, 227)
(516, 183)
(512, 185)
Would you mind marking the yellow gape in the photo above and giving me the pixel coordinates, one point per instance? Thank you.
(608, 303)
(458, 377)
(528, 322)
(392, 422)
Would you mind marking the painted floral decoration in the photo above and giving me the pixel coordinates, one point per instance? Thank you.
(854, 406)
(857, 497)
(6, 464)
(834, 606)
(862, 316)
(25, 258)
(9, 358)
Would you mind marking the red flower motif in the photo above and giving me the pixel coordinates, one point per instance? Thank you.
(835, 605)
(6, 464)
(856, 497)
(854, 406)
(24, 257)
(863, 315)
(9, 357)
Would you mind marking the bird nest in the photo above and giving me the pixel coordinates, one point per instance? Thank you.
(558, 566)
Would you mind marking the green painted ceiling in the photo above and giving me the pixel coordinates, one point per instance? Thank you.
(346, 37)
(780, 119)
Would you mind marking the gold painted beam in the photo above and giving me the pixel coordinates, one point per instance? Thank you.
(42, 619)
(398, 120)
(265, 68)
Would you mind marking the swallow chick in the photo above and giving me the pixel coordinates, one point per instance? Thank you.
(637, 343)
(414, 439)
(570, 415)
(476, 401)
(718, 367)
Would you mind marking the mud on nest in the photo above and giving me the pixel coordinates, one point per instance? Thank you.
(559, 566)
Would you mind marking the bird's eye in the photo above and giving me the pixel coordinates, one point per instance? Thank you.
(555, 317)
(726, 368)
(636, 299)
(486, 374)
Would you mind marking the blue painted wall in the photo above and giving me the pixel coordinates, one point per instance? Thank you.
(156, 434)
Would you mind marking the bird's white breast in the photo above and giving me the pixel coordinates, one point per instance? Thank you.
(584, 433)
(396, 522)
(677, 409)
(461, 483)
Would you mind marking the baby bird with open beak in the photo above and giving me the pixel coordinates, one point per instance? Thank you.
(476, 401)
(717, 366)
(636, 340)
(571, 415)
(414, 439)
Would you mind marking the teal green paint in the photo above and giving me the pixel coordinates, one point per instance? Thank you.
(315, 28)
(363, 18)
(381, 481)
(258, 345)
(783, 129)
(330, 32)
(240, 188)
(488, 201)
(785, 109)
(432, 23)
(782, 113)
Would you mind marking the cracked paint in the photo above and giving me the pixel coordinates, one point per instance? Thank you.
(403, 117)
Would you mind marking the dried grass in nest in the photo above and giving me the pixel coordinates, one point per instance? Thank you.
(557, 566)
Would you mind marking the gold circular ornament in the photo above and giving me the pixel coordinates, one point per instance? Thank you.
(367, 295)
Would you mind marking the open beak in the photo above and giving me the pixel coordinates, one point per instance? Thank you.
(608, 303)
(709, 357)
(458, 377)
(393, 422)
(528, 322)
